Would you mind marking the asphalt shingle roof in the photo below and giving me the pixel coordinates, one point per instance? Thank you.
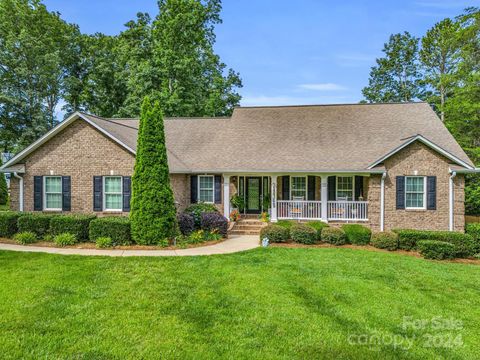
(292, 138)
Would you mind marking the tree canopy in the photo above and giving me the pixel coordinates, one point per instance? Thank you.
(445, 72)
(47, 64)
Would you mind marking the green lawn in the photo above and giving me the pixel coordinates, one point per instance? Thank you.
(262, 304)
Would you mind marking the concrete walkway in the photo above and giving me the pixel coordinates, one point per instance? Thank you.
(235, 243)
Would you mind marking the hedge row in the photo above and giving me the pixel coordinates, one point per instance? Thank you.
(465, 244)
(431, 244)
(82, 227)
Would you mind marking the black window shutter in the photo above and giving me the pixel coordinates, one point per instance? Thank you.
(332, 188)
(286, 187)
(193, 189)
(312, 181)
(400, 192)
(127, 193)
(431, 192)
(66, 193)
(38, 193)
(218, 189)
(359, 187)
(97, 193)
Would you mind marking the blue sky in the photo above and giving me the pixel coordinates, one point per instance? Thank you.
(289, 52)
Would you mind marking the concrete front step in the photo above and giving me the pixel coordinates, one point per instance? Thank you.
(244, 232)
(250, 221)
(247, 227)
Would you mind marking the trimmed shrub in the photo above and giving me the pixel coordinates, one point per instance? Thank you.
(334, 235)
(26, 237)
(196, 210)
(214, 222)
(407, 239)
(37, 223)
(275, 233)
(474, 231)
(153, 214)
(77, 225)
(357, 234)
(303, 234)
(186, 223)
(103, 242)
(385, 240)
(465, 245)
(65, 239)
(318, 226)
(116, 228)
(438, 250)
(8, 223)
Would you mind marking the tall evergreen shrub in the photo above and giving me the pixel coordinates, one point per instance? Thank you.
(153, 214)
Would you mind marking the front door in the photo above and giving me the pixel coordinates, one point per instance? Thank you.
(254, 186)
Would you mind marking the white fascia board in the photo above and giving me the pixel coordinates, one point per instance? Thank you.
(429, 144)
(284, 172)
(465, 171)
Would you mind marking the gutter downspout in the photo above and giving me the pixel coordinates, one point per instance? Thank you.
(382, 202)
(20, 199)
(451, 200)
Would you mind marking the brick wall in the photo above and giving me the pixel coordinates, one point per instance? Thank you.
(426, 162)
(80, 151)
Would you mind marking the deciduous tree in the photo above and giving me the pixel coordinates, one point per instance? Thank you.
(396, 77)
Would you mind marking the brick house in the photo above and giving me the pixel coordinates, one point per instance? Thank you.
(384, 165)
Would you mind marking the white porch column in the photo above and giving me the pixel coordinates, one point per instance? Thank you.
(226, 196)
(273, 191)
(324, 197)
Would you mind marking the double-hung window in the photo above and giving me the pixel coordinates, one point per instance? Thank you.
(345, 187)
(112, 193)
(298, 187)
(52, 193)
(415, 194)
(206, 188)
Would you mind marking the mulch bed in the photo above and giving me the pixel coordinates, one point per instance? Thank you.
(91, 245)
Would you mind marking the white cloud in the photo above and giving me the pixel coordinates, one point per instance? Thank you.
(322, 87)
(262, 100)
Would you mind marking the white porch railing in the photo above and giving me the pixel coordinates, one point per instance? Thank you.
(347, 210)
(299, 209)
(312, 210)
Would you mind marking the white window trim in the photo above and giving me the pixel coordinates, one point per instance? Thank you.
(104, 194)
(213, 189)
(306, 186)
(45, 193)
(353, 186)
(424, 207)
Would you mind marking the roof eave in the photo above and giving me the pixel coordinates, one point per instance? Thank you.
(465, 171)
(429, 144)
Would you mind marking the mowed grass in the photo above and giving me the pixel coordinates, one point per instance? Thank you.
(262, 304)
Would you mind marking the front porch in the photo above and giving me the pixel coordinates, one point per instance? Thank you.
(325, 197)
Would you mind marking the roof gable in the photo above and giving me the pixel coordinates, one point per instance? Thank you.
(427, 143)
(53, 132)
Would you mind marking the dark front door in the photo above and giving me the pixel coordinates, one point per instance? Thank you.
(253, 195)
